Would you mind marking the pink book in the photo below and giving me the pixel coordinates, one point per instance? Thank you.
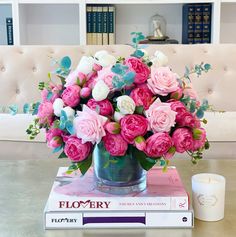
(164, 191)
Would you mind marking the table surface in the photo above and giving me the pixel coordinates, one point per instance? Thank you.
(25, 186)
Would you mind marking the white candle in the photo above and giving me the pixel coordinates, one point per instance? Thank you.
(208, 194)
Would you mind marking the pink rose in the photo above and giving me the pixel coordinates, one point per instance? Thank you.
(158, 145)
(104, 107)
(106, 75)
(54, 137)
(183, 139)
(71, 95)
(45, 112)
(178, 107)
(142, 97)
(115, 144)
(89, 125)
(200, 139)
(160, 116)
(141, 69)
(76, 150)
(132, 126)
(163, 81)
(187, 119)
(190, 92)
(85, 92)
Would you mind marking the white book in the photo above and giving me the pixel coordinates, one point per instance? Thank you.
(165, 191)
(134, 219)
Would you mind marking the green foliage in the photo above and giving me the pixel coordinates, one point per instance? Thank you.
(85, 164)
(34, 129)
(62, 155)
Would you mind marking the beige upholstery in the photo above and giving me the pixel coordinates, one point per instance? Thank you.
(21, 68)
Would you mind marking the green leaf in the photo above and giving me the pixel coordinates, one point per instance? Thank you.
(62, 155)
(139, 109)
(146, 162)
(85, 164)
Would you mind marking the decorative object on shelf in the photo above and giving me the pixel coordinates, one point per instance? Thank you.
(123, 113)
(9, 26)
(208, 196)
(167, 41)
(157, 28)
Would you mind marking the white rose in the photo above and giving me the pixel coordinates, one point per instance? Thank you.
(104, 59)
(70, 113)
(160, 59)
(85, 65)
(58, 106)
(118, 116)
(100, 91)
(125, 104)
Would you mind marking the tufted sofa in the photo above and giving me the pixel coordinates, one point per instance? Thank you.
(21, 68)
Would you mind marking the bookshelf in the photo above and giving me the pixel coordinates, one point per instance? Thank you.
(64, 21)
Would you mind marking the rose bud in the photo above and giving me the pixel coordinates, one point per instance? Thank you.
(170, 153)
(97, 67)
(85, 92)
(113, 127)
(140, 143)
(176, 95)
(81, 79)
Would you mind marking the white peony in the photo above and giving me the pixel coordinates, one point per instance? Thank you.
(70, 113)
(125, 104)
(118, 116)
(100, 91)
(85, 65)
(58, 106)
(159, 59)
(104, 59)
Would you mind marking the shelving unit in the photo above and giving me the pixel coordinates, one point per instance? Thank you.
(64, 21)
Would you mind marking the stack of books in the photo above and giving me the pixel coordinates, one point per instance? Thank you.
(75, 203)
(100, 24)
(196, 23)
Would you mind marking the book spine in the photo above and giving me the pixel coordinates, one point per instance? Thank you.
(105, 26)
(116, 204)
(89, 24)
(206, 23)
(198, 24)
(188, 23)
(9, 26)
(94, 24)
(67, 220)
(99, 25)
(111, 24)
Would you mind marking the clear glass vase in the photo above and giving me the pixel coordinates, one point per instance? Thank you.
(117, 175)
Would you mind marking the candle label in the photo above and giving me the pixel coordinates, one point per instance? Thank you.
(207, 200)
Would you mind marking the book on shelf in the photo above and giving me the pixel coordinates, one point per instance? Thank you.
(198, 31)
(206, 22)
(164, 191)
(89, 24)
(105, 40)
(94, 24)
(111, 24)
(118, 219)
(9, 26)
(99, 24)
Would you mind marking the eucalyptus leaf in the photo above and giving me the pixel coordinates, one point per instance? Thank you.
(13, 109)
(57, 149)
(65, 62)
(49, 95)
(26, 108)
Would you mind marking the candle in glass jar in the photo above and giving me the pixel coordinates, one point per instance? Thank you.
(208, 194)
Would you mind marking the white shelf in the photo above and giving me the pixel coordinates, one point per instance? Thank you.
(64, 21)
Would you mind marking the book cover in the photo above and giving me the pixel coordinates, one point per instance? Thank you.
(121, 219)
(206, 24)
(9, 26)
(111, 24)
(197, 36)
(164, 191)
(105, 25)
(99, 24)
(94, 24)
(89, 24)
(188, 18)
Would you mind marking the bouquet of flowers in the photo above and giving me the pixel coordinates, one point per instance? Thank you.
(135, 103)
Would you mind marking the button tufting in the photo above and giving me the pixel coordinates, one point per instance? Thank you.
(225, 68)
(34, 69)
(205, 51)
(3, 69)
(21, 52)
(174, 51)
(210, 91)
(17, 91)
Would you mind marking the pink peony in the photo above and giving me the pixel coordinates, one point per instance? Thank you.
(141, 69)
(104, 107)
(158, 145)
(89, 125)
(183, 139)
(160, 116)
(76, 150)
(187, 119)
(163, 81)
(142, 97)
(132, 126)
(178, 107)
(45, 112)
(201, 139)
(106, 75)
(54, 137)
(115, 144)
(71, 95)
